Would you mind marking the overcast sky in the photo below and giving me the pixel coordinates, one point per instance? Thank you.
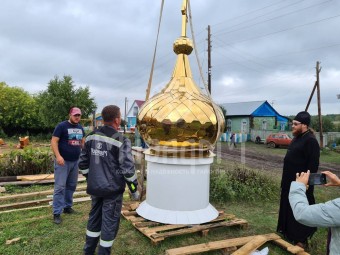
(261, 49)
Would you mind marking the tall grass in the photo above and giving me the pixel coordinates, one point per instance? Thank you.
(27, 161)
(242, 183)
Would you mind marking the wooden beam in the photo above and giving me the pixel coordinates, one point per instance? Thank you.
(217, 245)
(23, 183)
(251, 246)
(25, 203)
(76, 200)
(294, 249)
(32, 194)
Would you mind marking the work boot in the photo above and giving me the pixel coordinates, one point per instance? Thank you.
(56, 218)
(69, 210)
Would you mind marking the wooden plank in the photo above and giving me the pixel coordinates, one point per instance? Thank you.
(36, 177)
(32, 194)
(146, 224)
(198, 228)
(154, 230)
(251, 246)
(25, 203)
(129, 213)
(217, 245)
(76, 200)
(294, 249)
(24, 209)
(23, 183)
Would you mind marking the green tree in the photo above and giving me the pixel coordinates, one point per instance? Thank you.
(224, 111)
(60, 96)
(327, 124)
(18, 110)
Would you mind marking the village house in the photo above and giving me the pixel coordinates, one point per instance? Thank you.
(251, 119)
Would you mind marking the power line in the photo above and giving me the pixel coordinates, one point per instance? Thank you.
(264, 21)
(286, 29)
(244, 57)
(306, 50)
(237, 17)
(246, 21)
(247, 13)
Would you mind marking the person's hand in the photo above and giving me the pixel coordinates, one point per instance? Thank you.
(333, 179)
(135, 195)
(60, 160)
(303, 177)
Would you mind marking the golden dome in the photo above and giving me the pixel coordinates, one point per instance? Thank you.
(180, 117)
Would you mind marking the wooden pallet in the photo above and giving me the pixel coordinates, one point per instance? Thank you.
(238, 246)
(157, 232)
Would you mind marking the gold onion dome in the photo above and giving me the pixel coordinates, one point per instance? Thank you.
(180, 117)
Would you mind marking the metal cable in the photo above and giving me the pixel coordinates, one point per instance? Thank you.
(154, 54)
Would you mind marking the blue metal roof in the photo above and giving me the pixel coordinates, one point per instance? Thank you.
(255, 109)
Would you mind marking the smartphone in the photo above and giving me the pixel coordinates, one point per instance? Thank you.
(317, 179)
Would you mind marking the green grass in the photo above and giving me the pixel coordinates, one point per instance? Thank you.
(330, 156)
(39, 235)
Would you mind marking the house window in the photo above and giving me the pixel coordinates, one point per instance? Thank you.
(282, 126)
(228, 125)
(135, 111)
(244, 126)
(264, 124)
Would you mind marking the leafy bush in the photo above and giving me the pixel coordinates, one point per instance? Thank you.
(41, 137)
(2, 133)
(241, 183)
(337, 141)
(27, 161)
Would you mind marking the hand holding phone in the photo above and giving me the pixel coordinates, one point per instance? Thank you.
(333, 179)
(317, 179)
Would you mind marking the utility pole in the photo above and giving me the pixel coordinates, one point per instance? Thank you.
(311, 96)
(125, 114)
(209, 60)
(318, 70)
(94, 118)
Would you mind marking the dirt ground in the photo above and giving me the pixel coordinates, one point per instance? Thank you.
(258, 156)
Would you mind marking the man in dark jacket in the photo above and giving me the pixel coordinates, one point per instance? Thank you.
(303, 154)
(106, 162)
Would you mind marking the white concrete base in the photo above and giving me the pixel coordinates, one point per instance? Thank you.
(177, 217)
(177, 190)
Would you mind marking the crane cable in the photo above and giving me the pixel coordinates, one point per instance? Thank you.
(154, 54)
(196, 53)
(218, 110)
(195, 48)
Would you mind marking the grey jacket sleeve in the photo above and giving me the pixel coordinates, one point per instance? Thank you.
(318, 215)
(127, 166)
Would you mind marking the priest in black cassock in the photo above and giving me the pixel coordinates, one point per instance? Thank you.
(303, 154)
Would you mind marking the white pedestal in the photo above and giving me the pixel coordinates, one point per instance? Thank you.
(177, 191)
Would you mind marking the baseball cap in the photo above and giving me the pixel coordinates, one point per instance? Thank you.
(75, 111)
